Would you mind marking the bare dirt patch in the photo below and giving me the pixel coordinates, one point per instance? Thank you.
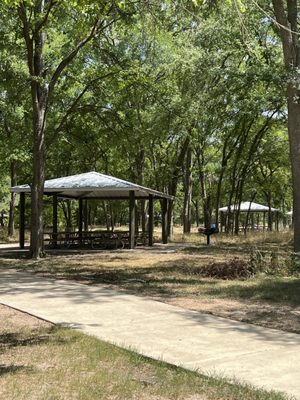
(14, 320)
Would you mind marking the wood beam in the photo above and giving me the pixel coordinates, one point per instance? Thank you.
(54, 220)
(22, 221)
(151, 220)
(125, 198)
(80, 215)
(164, 222)
(136, 218)
(80, 219)
(85, 215)
(131, 219)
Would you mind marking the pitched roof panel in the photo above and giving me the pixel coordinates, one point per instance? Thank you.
(247, 206)
(92, 185)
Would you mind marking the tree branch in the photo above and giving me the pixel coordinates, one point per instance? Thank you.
(285, 32)
(44, 20)
(66, 61)
(78, 98)
(28, 39)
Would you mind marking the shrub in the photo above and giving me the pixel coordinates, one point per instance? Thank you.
(294, 264)
(257, 260)
(235, 268)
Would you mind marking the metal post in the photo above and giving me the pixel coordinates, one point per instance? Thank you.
(151, 220)
(22, 221)
(131, 219)
(164, 222)
(54, 220)
(207, 239)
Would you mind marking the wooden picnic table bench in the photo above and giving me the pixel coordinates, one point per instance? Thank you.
(94, 239)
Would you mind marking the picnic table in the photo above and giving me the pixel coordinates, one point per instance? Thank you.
(94, 239)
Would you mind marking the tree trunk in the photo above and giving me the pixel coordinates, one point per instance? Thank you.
(270, 214)
(188, 185)
(37, 189)
(287, 19)
(206, 199)
(12, 204)
(294, 138)
(173, 184)
(219, 193)
(197, 216)
(112, 217)
(67, 210)
(34, 18)
(107, 216)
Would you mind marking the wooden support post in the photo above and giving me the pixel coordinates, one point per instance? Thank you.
(54, 220)
(264, 221)
(22, 221)
(170, 219)
(80, 220)
(151, 220)
(136, 213)
(131, 219)
(164, 222)
(85, 216)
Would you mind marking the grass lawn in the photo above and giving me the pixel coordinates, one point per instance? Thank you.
(41, 361)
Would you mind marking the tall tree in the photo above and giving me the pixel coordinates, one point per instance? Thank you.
(75, 25)
(287, 17)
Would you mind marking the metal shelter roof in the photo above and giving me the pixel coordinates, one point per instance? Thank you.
(92, 185)
(247, 206)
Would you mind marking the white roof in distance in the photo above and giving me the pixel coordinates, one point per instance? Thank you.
(92, 185)
(244, 207)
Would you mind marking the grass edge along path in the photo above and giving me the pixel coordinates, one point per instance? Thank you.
(39, 360)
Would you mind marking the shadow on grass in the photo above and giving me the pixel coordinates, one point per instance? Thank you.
(11, 369)
(14, 254)
(271, 290)
(35, 337)
(181, 277)
(15, 339)
(178, 278)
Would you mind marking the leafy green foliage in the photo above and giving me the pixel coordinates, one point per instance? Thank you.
(161, 77)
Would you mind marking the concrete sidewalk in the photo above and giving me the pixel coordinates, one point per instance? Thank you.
(263, 357)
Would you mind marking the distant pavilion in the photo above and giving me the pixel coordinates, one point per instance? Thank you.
(93, 185)
(251, 208)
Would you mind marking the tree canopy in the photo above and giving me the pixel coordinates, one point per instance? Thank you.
(187, 97)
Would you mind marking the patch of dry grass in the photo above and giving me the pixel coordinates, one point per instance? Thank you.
(256, 238)
(40, 361)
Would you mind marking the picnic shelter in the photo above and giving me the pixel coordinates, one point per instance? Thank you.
(94, 185)
(251, 208)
